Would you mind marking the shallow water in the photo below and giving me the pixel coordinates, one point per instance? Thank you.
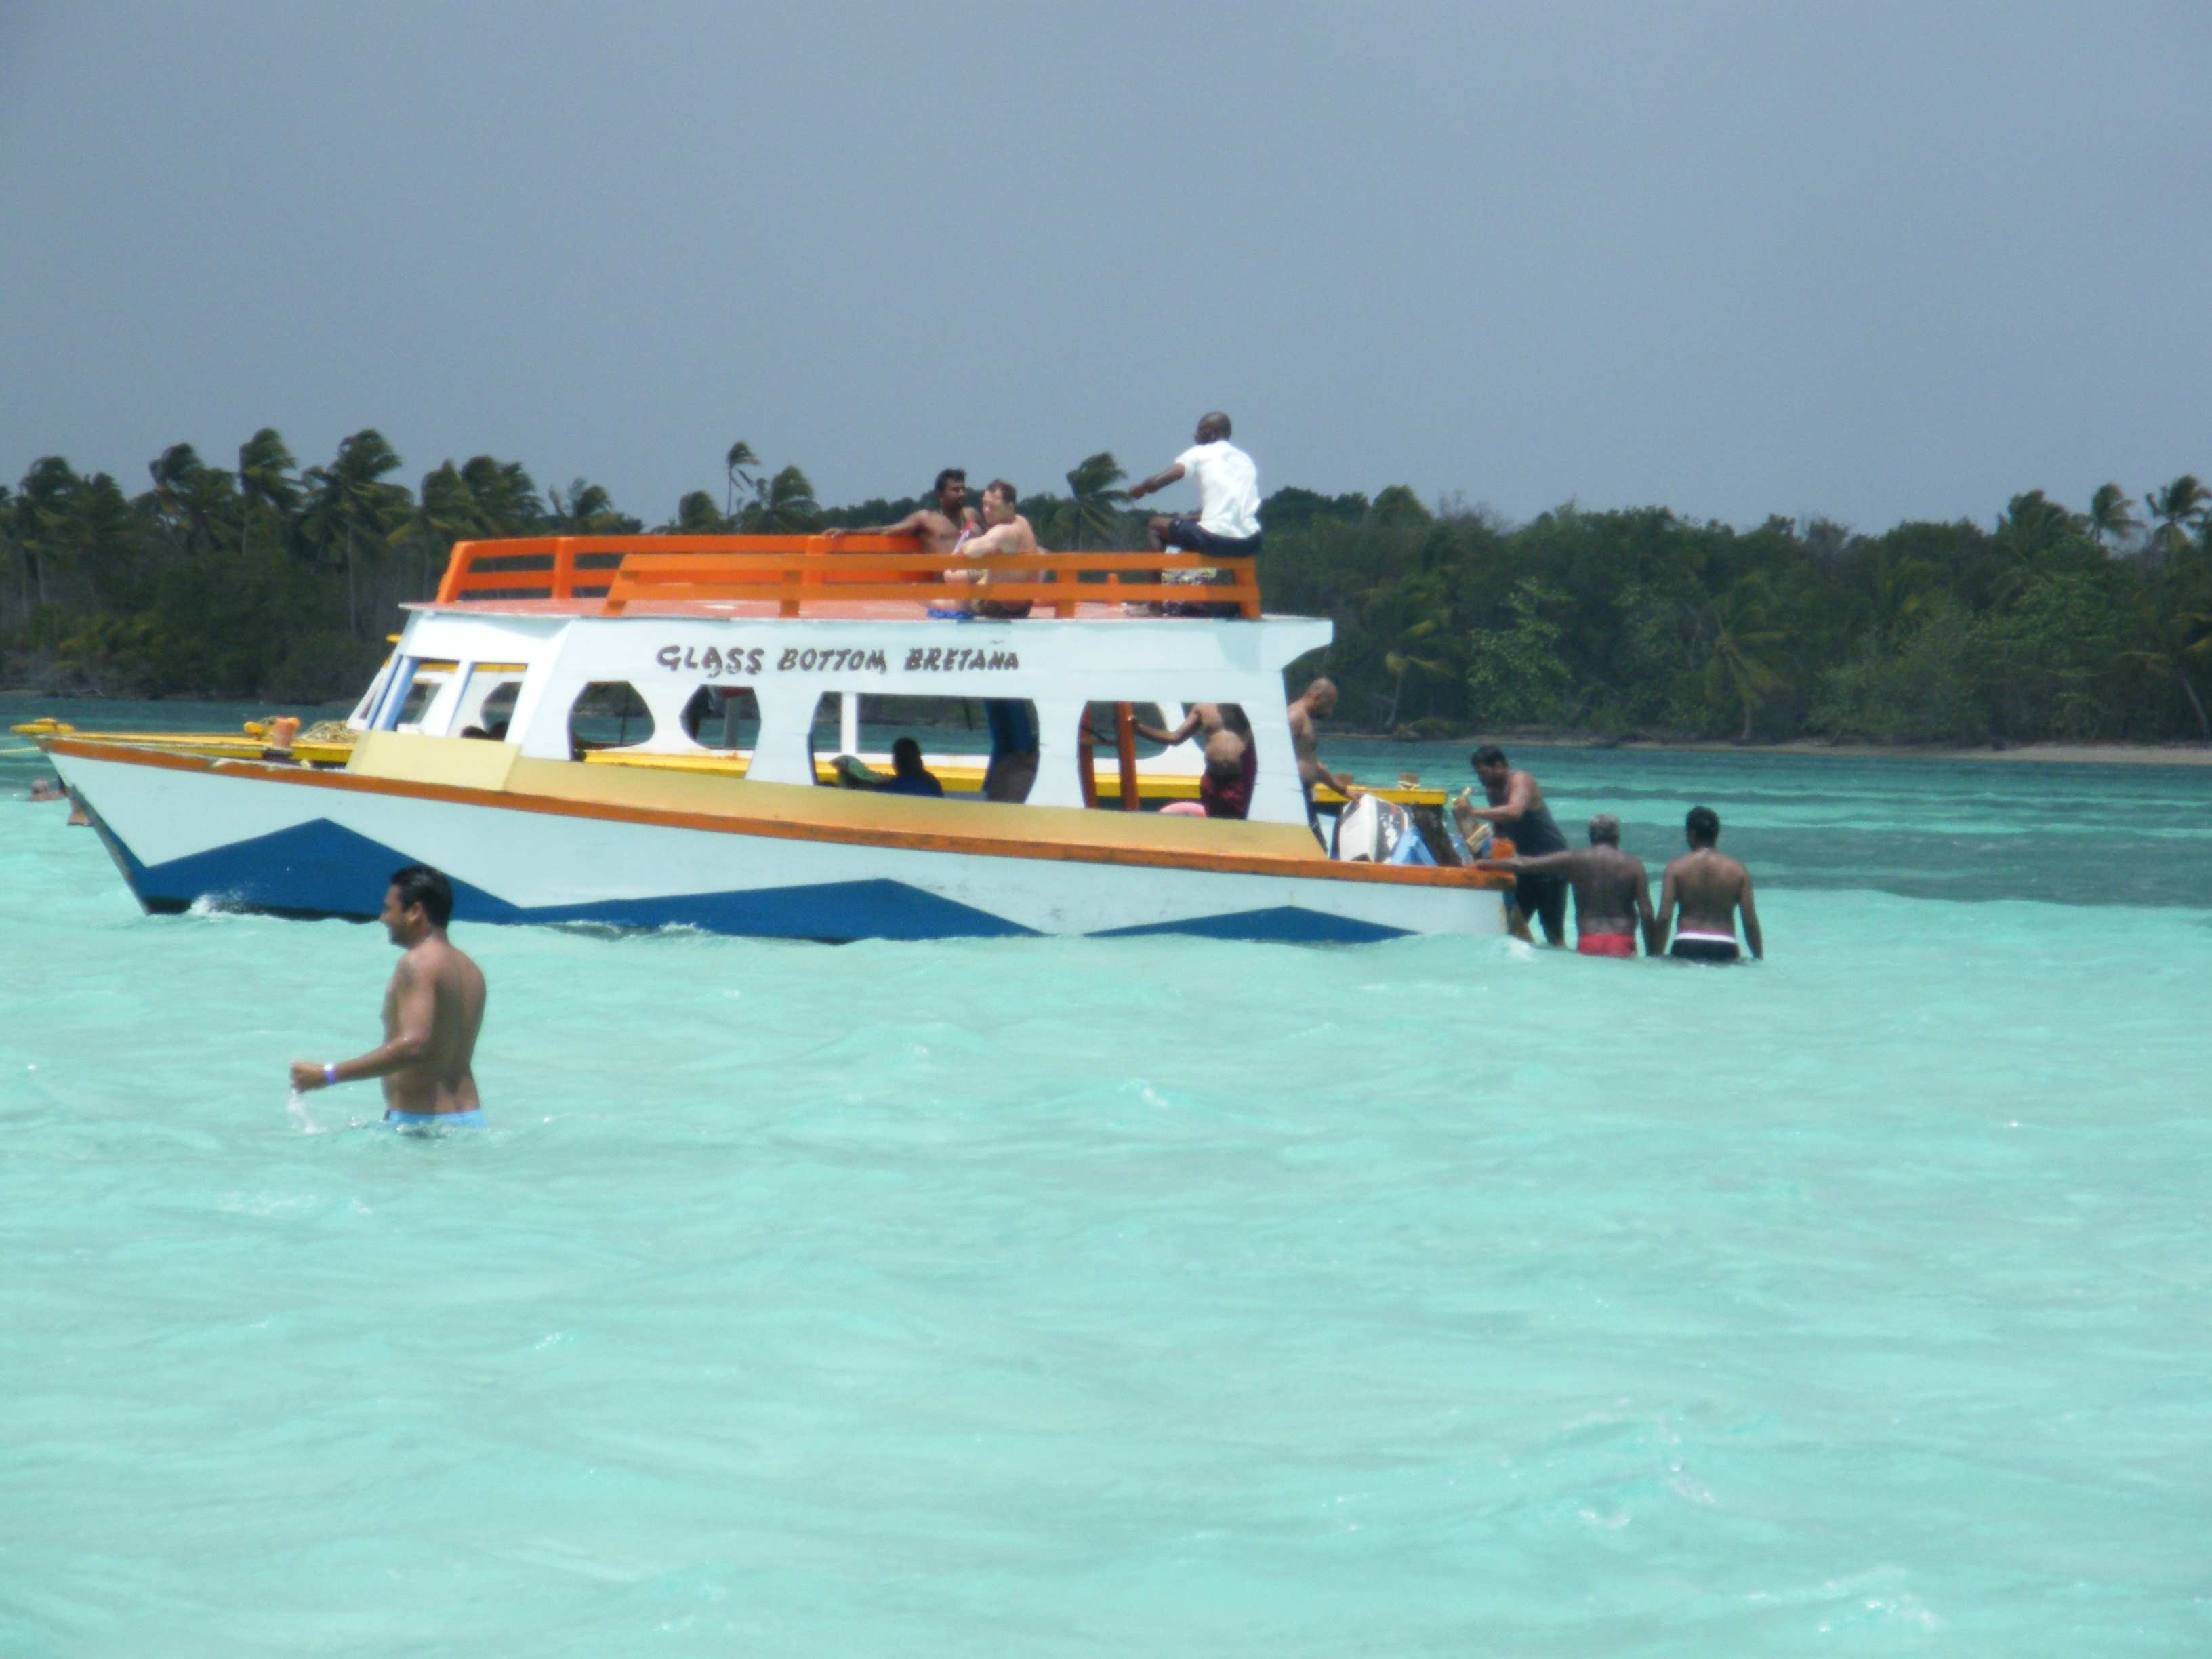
(1069, 1296)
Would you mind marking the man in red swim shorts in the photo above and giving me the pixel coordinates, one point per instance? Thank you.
(1613, 894)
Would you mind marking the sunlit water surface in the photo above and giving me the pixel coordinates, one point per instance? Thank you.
(1078, 1296)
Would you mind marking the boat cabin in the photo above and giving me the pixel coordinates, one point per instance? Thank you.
(738, 653)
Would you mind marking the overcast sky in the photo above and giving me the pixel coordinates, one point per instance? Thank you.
(1869, 260)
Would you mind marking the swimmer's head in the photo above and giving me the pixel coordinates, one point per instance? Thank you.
(419, 901)
(1604, 830)
(1703, 826)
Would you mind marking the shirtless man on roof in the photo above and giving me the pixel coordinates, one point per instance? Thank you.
(1005, 531)
(1707, 888)
(941, 526)
(433, 1010)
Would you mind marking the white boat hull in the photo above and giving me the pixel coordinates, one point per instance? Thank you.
(239, 836)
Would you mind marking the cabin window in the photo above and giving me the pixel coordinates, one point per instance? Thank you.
(608, 714)
(498, 707)
(985, 748)
(417, 700)
(722, 717)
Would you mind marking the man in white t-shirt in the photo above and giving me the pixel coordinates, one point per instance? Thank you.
(1228, 521)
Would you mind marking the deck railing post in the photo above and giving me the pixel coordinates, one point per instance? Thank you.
(1124, 752)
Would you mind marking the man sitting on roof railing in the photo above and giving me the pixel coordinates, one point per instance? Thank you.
(941, 528)
(1228, 521)
(1005, 531)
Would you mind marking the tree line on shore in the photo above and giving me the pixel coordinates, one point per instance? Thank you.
(274, 583)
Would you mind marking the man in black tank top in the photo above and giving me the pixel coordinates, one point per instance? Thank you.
(1518, 811)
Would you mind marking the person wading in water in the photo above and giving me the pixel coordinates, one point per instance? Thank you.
(1612, 893)
(433, 1010)
(1517, 809)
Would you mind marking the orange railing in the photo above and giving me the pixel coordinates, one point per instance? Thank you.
(790, 571)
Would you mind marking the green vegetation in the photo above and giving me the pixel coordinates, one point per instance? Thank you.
(270, 581)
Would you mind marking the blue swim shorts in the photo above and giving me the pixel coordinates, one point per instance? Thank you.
(414, 1122)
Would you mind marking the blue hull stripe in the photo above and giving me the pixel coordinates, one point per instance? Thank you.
(322, 868)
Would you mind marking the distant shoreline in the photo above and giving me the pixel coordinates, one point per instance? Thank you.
(2055, 754)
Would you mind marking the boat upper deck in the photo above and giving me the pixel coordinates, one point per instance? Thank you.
(851, 578)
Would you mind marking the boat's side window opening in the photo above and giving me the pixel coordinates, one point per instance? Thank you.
(722, 717)
(978, 748)
(426, 686)
(608, 714)
(498, 708)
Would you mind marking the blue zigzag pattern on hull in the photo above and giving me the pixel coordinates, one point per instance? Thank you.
(321, 868)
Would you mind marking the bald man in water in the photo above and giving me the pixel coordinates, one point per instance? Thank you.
(1612, 893)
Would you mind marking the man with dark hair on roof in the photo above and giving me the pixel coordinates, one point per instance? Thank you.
(433, 1010)
(1228, 521)
(1516, 810)
(1707, 888)
(1612, 893)
(941, 526)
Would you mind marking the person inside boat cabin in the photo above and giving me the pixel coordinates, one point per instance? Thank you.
(941, 526)
(1225, 790)
(909, 775)
(1013, 770)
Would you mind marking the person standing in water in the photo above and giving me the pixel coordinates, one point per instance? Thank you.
(1517, 809)
(1708, 889)
(1613, 894)
(433, 1010)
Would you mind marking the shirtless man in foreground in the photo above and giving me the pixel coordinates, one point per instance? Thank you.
(1613, 894)
(1709, 888)
(433, 1009)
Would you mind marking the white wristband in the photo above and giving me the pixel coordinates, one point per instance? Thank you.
(330, 1074)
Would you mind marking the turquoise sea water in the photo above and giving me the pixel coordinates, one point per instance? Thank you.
(1069, 1297)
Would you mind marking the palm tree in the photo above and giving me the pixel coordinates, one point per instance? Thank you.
(351, 507)
(265, 485)
(1744, 648)
(2179, 507)
(504, 495)
(2110, 517)
(786, 505)
(734, 466)
(695, 515)
(446, 513)
(586, 510)
(1095, 505)
(2178, 638)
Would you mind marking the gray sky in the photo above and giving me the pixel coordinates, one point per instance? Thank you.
(1870, 260)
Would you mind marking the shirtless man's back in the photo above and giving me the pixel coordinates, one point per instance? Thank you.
(1708, 889)
(433, 1009)
(1613, 892)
